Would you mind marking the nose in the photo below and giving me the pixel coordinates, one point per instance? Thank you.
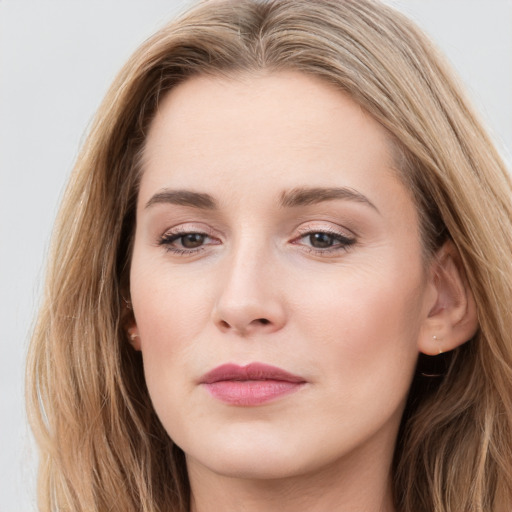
(249, 300)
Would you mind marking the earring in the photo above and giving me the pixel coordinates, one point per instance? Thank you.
(132, 334)
(436, 339)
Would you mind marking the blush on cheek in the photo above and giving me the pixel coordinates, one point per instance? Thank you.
(379, 326)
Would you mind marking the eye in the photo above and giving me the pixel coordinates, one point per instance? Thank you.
(185, 242)
(192, 240)
(323, 242)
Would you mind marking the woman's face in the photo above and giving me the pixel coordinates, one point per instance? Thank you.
(272, 229)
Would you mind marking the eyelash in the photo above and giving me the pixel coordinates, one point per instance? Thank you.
(343, 243)
(167, 239)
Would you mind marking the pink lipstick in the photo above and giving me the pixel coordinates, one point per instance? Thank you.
(250, 385)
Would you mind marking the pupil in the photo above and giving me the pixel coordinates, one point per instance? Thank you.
(192, 240)
(320, 240)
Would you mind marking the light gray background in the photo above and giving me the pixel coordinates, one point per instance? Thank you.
(57, 58)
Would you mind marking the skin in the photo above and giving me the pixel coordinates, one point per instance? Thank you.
(348, 317)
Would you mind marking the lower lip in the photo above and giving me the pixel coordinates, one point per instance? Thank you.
(251, 392)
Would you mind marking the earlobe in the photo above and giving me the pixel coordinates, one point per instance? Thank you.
(129, 324)
(134, 337)
(452, 317)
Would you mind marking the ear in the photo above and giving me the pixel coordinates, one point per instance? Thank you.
(452, 317)
(133, 336)
(130, 325)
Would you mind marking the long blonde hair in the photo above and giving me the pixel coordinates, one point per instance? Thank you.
(101, 445)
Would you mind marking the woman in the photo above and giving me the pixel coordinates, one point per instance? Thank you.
(280, 278)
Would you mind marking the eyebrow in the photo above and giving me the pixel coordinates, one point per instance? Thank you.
(300, 196)
(183, 198)
(304, 196)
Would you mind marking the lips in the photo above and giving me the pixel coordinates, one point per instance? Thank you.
(250, 385)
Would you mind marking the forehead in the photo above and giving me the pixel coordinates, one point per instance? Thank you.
(278, 129)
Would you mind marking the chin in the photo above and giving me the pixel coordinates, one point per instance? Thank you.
(256, 467)
(250, 457)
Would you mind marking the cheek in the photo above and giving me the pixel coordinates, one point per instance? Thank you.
(169, 317)
(170, 312)
(366, 326)
(362, 337)
(168, 305)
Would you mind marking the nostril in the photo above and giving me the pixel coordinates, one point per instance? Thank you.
(243, 327)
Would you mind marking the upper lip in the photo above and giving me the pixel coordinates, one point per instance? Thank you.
(252, 371)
